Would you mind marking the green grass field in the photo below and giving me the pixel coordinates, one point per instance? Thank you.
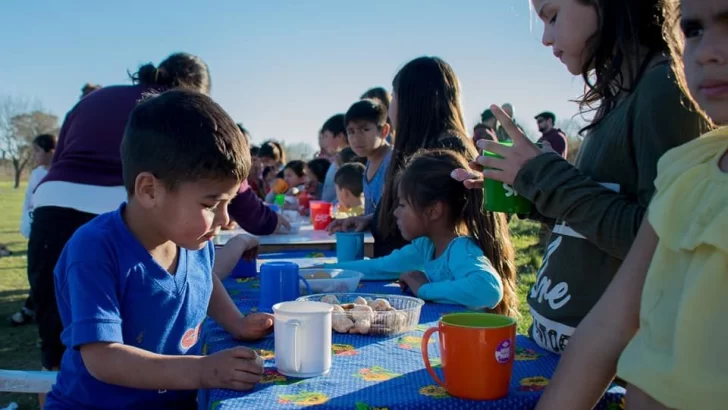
(18, 344)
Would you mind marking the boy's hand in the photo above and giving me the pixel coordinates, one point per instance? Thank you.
(253, 327)
(414, 280)
(239, 246)
(238, 368)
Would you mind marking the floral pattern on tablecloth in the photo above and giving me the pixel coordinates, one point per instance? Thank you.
(376, 372)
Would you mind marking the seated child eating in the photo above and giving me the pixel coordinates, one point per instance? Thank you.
(349, 190)
(134, 285)
(459, 254)
(315, 175)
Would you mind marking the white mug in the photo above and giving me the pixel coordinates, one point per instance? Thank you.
(302, 338)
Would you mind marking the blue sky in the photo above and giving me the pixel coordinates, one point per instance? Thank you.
(283, 67)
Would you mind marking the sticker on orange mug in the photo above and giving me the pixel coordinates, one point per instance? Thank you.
(503, 352)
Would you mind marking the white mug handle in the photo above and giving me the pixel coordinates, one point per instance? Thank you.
(295, 324)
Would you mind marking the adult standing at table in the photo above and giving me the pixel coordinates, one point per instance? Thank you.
(597, 205)
(85, 178)
(550, 134)
(426, 113)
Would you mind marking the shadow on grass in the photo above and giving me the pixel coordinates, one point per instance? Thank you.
(15, 292)
(13, 267)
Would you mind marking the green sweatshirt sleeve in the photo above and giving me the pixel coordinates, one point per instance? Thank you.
(409, 258)
(606, 218)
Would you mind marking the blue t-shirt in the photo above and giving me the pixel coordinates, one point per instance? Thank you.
(373, 188)
(110, 289)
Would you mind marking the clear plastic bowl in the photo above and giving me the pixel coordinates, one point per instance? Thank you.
(404, 318)
(331, 280)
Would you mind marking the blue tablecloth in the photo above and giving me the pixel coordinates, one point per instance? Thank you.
(373, 372)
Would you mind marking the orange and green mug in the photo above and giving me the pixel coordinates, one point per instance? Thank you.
(477, 351)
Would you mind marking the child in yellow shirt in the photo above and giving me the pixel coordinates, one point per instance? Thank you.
(660, 324)
(350, 190)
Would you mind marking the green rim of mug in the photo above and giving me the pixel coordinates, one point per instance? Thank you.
(477, 320)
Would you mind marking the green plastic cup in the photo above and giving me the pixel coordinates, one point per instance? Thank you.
(501, 197)
(280, 200)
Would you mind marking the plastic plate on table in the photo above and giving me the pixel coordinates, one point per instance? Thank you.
(330, 280)
(383, 315)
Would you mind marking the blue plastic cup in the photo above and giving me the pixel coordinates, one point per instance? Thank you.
(245, 269)
(349, 246)
(279, 283)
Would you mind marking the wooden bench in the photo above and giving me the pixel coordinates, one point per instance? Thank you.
(22, 381)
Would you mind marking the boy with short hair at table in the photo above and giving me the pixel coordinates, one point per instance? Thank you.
(367, 130)
(349, 190)
(134, 285)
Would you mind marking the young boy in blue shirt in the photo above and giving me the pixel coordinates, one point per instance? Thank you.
(134, 285)
(367, 130)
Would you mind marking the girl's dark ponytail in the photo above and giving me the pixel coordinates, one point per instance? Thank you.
(179, 70)
(490, 230)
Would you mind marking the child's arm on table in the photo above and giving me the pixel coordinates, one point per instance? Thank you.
(222, 310)
(128, 366)
(389, 267)
(590, 361)
(90, 293)
(239, 246)
(476, 284)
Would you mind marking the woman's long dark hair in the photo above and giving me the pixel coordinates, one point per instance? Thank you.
(179, 70)
(426, 180)
(429, 115)
(628, 37)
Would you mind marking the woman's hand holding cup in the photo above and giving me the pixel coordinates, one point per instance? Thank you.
(502, 169)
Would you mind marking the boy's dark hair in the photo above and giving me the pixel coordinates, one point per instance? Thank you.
(254, 150)
(350, 176)
(347, 156)
(268, 170)
(319, 167)
(296, 166)
(547, 115)
(273, 150)
(480, 126)
(487, 115)
(426, 180)
(335, 125)
(379, 93)
(367, 110)
(182, 136)
(46, 142)
(179, 70)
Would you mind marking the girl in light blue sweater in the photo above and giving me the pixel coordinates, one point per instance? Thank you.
(459, 254)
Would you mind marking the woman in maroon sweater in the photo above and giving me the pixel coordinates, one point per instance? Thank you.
(85, 180)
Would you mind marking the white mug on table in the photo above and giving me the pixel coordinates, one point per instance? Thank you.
(302, 338)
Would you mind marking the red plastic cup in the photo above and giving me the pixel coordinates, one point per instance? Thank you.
(320, 214)
(304, 202)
